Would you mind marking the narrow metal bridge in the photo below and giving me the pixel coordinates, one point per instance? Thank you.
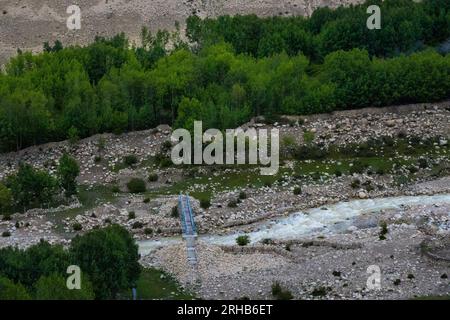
(188, 227)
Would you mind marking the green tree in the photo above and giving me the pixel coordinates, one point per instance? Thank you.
(5, 199)
(12, 291)
(54, 287)
(109, 257)
(31, 187)
(68, 171)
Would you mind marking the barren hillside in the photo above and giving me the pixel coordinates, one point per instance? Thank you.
(26, 24)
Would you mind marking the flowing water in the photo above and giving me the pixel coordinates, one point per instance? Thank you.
(318, 221)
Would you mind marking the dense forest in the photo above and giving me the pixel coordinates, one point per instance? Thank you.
(231, 69)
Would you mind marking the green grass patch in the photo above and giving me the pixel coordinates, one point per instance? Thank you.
(156, 284)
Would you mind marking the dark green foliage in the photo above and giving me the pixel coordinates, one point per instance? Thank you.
(131, 215)
(54, 287)
(6, 234)
(130, 160)
(238, 67)
(205, 203)
(31, 187)
(137, 225)
(174, 212)
(243, 240)
(68, 171)
(232, 204)
(109, 257)
(242, 195)
(279, 293)
(384, 230)
(77, 227)
(153, 177)
(5, 198)
(136, 185)
(12, 291)
(297, 190)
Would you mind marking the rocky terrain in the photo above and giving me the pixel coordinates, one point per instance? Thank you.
(338, 261)
(27, 24)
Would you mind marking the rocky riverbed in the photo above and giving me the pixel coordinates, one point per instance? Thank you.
(331, 265)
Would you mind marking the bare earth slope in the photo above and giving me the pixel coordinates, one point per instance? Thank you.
(26, 24)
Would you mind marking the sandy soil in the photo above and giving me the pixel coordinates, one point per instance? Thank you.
(26, 24)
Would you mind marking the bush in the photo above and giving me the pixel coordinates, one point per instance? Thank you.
(153, 177)
(320, 292)
(115, 189)
(68, 171)
(136, 185)
(267, 241)
(148, 231)
(297, 190)
(77, 227)
(242, 195)
(308, 137)
(6, 234)
(279, 293)
(131, 215)
(243, 240)
(97, 159)
(130, 160)
(32, 188)
(384, 230)
(137, 225)
(232, 204)
(5, 198)
(356, 183)
(146, 200)
(6, 217)
(174, 213)
(205, 203)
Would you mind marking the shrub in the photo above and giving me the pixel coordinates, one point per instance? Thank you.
(423, 163)
(68, 171)
(131, 215)
(6, 234)
(97, 159)
(153, 177)
(242, 195)
(243, 240)
(356, 183)
(320, 291)
(279, 293)
(148, 231)
(5, 198)
(205, 203)
(77, 226)
(137, 225)
(6, 217)
(174, 213)
(232, 204)
(130, 160)
(308, 136)
(136, 185)
(115, 189)
(397, 282)
(297, 190)
(384, 230)
(267, 241)
(146, 200)
(32, 188)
